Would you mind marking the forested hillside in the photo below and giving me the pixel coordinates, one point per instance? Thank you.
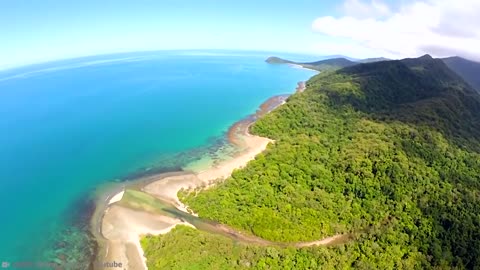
(469, 70)
(387, 151)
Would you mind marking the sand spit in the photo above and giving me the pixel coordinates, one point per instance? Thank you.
(122, 227)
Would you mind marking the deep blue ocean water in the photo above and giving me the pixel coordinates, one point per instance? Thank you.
(68, 127)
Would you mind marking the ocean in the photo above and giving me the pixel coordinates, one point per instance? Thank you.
(70, 129)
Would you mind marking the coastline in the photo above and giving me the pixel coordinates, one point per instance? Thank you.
(302, 66)
(118, 229)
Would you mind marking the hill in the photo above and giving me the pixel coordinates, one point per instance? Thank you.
(468, 70)
(324, 65)
(420, 91)
(388, 152)
(329, 64)
(277, 60)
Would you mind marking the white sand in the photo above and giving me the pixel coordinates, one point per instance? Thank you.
(167, 188)
(296, 66)
(322, 242)
(117, 197)
(123, 227)
(302, 67)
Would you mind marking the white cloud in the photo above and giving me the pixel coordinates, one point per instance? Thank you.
(441, 28)
(339, 47)
(359, 9)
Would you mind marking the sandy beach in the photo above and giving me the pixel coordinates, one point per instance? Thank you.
(167, 188)
(122, 227)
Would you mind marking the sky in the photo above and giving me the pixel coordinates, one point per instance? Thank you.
(42, 30)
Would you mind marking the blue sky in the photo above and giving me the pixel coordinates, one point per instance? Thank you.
(42, 30)
(33, 31)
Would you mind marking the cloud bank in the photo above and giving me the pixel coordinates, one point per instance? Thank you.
(438, 27)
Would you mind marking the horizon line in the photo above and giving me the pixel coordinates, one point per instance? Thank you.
(42, 62)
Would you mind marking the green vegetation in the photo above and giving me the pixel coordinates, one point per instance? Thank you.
(188, 248)
(329, 64)
(277, 60)
(388, 151)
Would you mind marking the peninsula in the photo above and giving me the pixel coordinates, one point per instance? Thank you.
(385, 152)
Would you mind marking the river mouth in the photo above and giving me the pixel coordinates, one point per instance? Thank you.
(144, 202)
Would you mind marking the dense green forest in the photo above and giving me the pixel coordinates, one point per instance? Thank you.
(188, 248)
(387, 151)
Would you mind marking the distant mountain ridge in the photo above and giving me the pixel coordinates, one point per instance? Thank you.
(326, 64)
(468, 70)
(372, 60)
(322, 65)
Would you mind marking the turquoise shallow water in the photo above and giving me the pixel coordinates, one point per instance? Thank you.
(68, 127)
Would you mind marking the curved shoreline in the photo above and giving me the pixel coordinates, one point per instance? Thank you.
(118, 229)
